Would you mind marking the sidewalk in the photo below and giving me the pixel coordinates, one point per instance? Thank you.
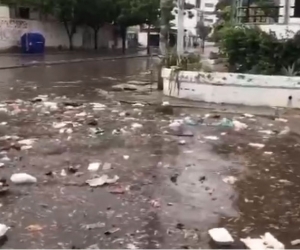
(9, 61)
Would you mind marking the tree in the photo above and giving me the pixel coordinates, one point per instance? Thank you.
(203, 32)
(95, 14)
(151, 11)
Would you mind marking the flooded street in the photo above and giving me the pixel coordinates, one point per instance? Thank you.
(165, 183)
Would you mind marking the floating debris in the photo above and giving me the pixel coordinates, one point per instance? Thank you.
(221, 236)
(100, 181)
(3, 229)
(23, 178)
(212, 138)
(230, 179)
(256, 145)
(94, 167)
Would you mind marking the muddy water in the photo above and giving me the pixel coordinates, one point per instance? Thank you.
(155, 211)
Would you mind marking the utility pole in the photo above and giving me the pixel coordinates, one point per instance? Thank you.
(180, 27)
(162, 34)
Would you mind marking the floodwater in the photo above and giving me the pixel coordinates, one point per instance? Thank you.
(171, 194)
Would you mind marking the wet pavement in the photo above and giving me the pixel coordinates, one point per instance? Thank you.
(171, 188)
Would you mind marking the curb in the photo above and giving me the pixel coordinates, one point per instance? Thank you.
(48, 63)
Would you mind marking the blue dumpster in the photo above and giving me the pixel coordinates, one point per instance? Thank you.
(33, 43)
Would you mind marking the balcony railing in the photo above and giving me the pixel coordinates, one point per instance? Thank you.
(260, 14)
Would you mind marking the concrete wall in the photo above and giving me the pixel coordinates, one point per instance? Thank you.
(12, 29)
(234, 88)
(282, 30)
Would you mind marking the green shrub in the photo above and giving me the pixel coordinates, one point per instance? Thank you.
(251, 50)
(185, 62)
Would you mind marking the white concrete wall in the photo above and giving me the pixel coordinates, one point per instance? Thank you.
(234, 88)
(54, 32)
(281, 30)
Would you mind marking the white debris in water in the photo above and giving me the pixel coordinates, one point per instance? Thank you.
(98, 106)
(212, 138)
(248, 115)
(165, 104)
(131, 246)
(272, 242)
(295, 242)
(138, 104)
(254, 244)
(59, 125)
(100, 181)
(2, 165)
(5, 158)
(256, 145)
(268, 153)
(51, 105)
(23, 178)
(3, 123)
(224, 133)
(175, 125)
(285, 131)
(82, 114)
(267, 241)
(27, 142)
(93, 167)
(3, 229)
(238, 126)
(281, 120)
(126, 157)
(136, 126)
(106, 166)
(26, 147)
(63, 173)
(267, 132)
(207, 116)
(230, 179)
(182, 142)
(220, 236)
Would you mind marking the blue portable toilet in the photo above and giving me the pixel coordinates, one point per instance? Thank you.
(33, 43)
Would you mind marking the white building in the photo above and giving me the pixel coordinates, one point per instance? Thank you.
(208, 8)
(191, 17)
(14, 22)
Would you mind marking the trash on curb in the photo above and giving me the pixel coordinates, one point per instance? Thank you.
(100, 181)
(256, 145)
(23, 178)
(3, 229)
(220, 236)
(94, 167)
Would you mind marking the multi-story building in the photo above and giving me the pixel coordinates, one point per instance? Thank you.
(208, 8)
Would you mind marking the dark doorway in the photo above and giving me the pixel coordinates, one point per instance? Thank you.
(297, 8)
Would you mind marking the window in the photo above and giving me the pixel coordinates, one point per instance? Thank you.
(209, 5)
(24, 13)
(198, 3)
(208, 20)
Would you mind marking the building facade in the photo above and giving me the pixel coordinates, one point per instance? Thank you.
(14, 22)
